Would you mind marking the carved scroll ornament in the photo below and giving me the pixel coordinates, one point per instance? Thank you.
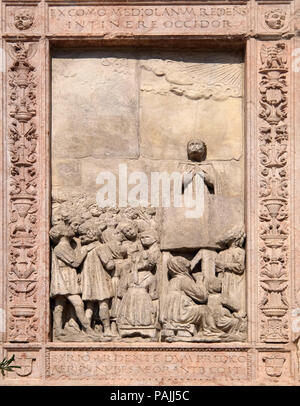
(273, 193)
(22, 142)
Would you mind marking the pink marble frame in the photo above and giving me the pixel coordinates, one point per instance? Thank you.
(272, 204)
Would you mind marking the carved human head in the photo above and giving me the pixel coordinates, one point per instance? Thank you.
(236, 238)
(196, 150)
(148, 237)
(112, 234)
(132, 213)
(60, 230)
(95, 210)
(88, 232)
(146, 263)
(75, 223)
(239, 239)
(23, 19)
(118, 236)
(56, 218)
(179, 266)
(275, 18)
(129, 229)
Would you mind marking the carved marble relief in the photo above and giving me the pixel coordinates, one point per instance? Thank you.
(23, 19)
(106, 269)
(23, 209)
(213, 79)
(275, 18)
(104, 266)
(144, 273)
(273, 192)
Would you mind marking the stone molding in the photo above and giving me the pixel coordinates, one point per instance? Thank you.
(271, 351)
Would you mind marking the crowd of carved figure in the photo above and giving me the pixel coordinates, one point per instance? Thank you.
(110, 280)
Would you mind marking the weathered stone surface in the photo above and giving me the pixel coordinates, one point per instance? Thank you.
(219, 218)
(151, 367)
(94, 105)
(154, 20)
(175, 99)
(127, 104)
(201, 97)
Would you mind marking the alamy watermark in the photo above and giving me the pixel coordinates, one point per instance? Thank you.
(160, 189)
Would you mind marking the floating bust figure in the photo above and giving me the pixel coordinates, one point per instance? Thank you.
(23, 19)
(197, 152)
(64, 277)
(199, 191)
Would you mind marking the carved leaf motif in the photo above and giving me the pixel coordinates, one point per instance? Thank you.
(273, 191)
(23, 227)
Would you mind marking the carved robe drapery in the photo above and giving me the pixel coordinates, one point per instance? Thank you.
(137, 308)
(65, 278)
(233, 282)
(96, 282)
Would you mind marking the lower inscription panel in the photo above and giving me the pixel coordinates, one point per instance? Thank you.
(150, 366)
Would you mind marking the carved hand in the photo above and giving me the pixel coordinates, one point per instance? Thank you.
(220, 266)
(78, 241)
(110, 265)
(90, 247)
(239, 315)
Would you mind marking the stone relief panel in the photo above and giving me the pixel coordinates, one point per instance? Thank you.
(274, 192)
(122, 89)
(106, 85)
(275, 367)
(123, 273)
(202, 19)
(274, 19)
(23, 194)
(156, 367)
(190, 90)
(104, 270)
(30, 363)
(22, 19)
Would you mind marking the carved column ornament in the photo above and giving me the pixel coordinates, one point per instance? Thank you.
(273, 193)
(22, 140)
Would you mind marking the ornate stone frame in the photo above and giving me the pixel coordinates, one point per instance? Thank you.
(273, 223)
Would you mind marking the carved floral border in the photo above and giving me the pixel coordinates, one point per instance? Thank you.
(273, 196)
(22, 139)
(23, 194)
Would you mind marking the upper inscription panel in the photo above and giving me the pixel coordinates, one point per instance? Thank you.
(154, 20)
